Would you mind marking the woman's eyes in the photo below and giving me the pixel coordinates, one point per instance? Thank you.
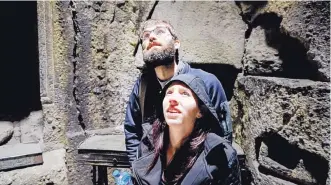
(169, 92)
(185, 93)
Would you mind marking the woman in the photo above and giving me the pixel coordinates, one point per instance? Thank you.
(187, 149)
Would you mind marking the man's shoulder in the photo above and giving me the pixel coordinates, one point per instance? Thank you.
(195, 71)
(207, 77)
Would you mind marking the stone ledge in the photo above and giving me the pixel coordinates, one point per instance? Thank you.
(104, 142)
(52, 171)
(104, 150)
(20, 155)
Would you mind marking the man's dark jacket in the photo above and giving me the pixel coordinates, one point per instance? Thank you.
(134, 124)
(217, 163)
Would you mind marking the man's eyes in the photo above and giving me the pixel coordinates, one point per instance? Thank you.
(146, 35)
(159, 31)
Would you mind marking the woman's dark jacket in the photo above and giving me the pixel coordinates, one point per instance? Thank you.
(216, 164)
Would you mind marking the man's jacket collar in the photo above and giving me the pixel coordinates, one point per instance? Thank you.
(182, 68)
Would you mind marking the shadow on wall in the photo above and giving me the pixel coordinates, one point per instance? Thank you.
(249, 9)
(226, 74)
(19, 67)
(289, 157)
(291, 50)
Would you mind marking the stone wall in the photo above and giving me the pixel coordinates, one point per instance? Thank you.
(280, 106)
(271, 57)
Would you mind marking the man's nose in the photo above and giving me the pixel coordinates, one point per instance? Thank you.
(152, 36)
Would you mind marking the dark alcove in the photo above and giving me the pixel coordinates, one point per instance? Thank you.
(19, 66)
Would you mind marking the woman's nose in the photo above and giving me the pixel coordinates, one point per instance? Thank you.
(173, 102)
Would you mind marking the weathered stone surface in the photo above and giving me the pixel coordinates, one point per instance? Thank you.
(20, 155)
(8, 151)
(32, 127)
(103, 61)
(104, 142)
(77, 173)
(53, 171)
(6, 131)
(259, 58)
(210, 32)
(56, 92)
(287, 115)
(299, 30)
(16, 138)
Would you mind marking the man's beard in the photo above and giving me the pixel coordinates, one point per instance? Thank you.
(160, 57)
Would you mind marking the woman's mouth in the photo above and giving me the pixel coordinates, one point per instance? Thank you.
(173, 110)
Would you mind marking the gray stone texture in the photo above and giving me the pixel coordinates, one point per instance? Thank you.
(32, 127)
(6, 131)
(300, 31)
(259, 58)
(101, 39)
(16, 138)
(52, 171)
(209, 31)
(20, 155)
(103, 61)
(284, 126)
(101, 142)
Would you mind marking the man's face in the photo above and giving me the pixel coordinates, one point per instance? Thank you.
(158, 45)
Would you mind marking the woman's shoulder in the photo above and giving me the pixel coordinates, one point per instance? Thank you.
(219, 150)
(213, 140)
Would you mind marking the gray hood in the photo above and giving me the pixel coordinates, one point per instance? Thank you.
(199, 88)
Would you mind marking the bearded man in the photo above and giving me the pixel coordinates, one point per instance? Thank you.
(160, 46)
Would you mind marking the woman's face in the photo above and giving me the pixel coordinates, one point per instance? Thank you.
(180, 106)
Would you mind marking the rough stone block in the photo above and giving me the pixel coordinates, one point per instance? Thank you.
(259, 58)
(210, 32)
(6, 131)
(300, 30)
(285, 127)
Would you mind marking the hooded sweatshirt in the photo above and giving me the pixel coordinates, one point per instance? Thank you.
(216, 164)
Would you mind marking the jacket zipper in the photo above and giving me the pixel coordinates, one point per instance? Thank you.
(136, 177)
